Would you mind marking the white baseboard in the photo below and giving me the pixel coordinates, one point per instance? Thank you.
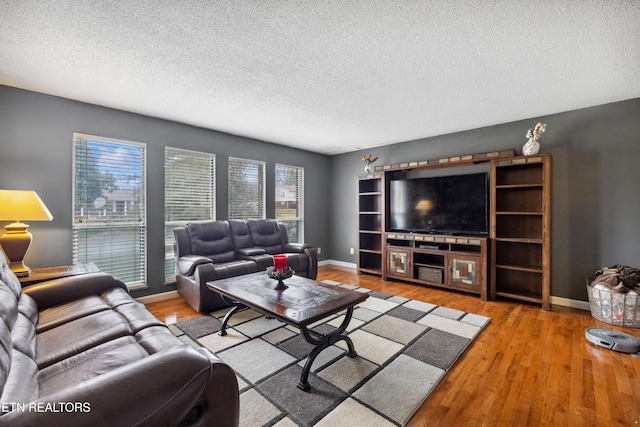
(158, 297)
(571, 303)
(338, 263)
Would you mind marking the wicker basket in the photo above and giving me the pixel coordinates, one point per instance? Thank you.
(615, 308)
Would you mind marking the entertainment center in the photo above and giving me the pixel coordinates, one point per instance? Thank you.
(485, 233)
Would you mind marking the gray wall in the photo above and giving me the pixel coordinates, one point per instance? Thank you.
(595, 195)
(595, 203)
(35, 153)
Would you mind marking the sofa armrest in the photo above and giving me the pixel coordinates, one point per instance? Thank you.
(295, 247)
(161, 389)
(251, 252)
(58, 291)
(187, 264)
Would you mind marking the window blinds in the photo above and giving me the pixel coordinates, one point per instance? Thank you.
(109, 206)
(189, 194)
(246, 188)
(290, 200)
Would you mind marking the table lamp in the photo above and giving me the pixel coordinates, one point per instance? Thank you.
(20, 205)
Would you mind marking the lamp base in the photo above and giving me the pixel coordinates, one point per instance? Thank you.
(15, 243)
(19, 269)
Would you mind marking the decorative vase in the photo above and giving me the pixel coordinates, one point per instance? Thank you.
(531, 147)
(367, 167)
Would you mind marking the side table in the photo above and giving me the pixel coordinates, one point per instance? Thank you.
(49, 273)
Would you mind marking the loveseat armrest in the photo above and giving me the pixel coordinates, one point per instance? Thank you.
(187, 264)
(58, 291)
(249, 252)
(295, 247)
(164, 388)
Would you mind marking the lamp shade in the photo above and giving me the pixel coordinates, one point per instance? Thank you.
(22, 205)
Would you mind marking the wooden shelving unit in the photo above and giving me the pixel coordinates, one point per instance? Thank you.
(520, 229)
(370, 223)
(517, 254)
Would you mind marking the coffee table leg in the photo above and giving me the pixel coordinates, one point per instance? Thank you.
(322, 342)
(236, 307)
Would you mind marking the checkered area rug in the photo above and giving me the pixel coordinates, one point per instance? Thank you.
(404, 348)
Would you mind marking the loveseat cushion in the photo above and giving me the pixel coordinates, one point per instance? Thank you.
(212, 239)
(266, 234)
(234, 268)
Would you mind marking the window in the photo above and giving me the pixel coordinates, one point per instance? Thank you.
(246, 189)
(109, 206)
(290, 200)
(189, 195)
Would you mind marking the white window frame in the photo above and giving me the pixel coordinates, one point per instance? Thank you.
(199, 185)
(296, 223)
(105, 220)
(235, 210)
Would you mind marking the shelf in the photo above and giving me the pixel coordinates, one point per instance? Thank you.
(517, 186)
(520, 296)
(419, 264)
(370, 251)
(519, 268)
(534, 241)
(519, 213)
(376, 271)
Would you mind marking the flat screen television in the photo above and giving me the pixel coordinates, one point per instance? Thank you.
(452, 205)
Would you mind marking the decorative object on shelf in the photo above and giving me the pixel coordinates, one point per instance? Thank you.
(532, 146)
(368, 161)
(279, 275)
(19, 205)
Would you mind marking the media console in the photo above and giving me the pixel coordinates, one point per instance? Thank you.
(453, 262)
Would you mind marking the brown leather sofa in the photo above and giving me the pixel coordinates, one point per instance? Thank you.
(213, 250)
(80, 351)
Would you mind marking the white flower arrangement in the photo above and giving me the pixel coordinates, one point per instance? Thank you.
(536, 131)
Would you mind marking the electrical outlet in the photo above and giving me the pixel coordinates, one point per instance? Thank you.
(352, 251)
(319, 251)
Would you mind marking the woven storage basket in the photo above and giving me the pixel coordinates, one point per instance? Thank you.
(615, 308)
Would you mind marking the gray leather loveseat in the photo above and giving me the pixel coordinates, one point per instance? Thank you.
(79, 351)
(213, 250)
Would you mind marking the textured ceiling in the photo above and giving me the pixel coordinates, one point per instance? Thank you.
(329, 76)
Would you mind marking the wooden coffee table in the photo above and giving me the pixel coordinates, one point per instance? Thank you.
(302, 303)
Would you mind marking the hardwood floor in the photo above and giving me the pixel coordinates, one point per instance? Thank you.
(528, 367)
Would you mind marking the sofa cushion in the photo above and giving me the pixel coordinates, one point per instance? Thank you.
(23, 336)
(78, 335)
(22, 382)
(212, 239)
(89, 364)
(58, 315)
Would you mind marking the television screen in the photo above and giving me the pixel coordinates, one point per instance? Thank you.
(449, 205)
